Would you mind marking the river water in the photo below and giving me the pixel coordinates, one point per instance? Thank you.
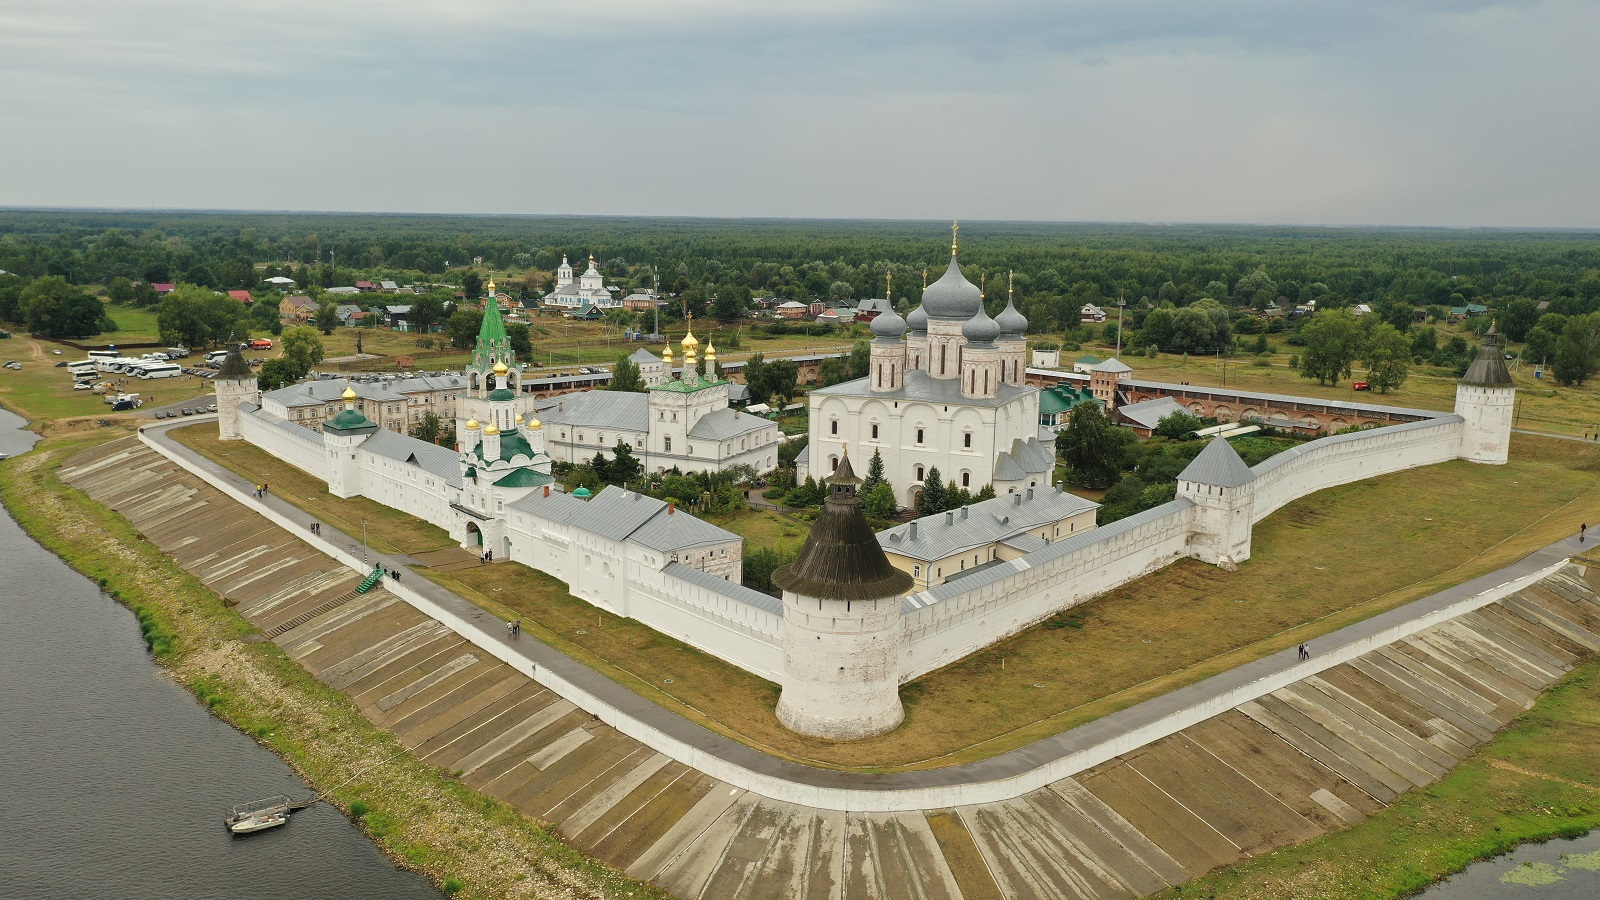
(114, 780)
(1556, 870)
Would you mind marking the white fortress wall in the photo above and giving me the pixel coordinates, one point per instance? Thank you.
(951, 620)
(299, 447)
(406, 487)
(725, 619)
(1344, 458)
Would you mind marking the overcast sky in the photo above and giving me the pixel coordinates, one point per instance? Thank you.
(1424, 112)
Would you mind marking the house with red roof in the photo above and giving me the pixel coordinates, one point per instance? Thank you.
(242, 296)
(366, 286)
(164, 287)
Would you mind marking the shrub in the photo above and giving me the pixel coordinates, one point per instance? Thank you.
(452, 885)
(358, 810)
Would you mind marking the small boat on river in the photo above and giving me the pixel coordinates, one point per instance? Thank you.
(260, 815)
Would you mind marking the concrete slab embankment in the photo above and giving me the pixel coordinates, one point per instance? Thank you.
(1302, 755)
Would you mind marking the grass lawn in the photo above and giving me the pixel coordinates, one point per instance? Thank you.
(42, 392)
(1326, 561)
(764, 528)
(134, 326)
(1536, 780)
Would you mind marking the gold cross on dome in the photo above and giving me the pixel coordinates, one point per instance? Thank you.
(955, 230)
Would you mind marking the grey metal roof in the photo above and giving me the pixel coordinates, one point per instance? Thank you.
(421, 383)
(1218, 464)
(620, 515)
(675, 531)
(297, 430)
(721, 424)
(1055, 551)
(1279, 398)
(1006, 468)
(1149, 413)
(1112, 365)
(726, 588)
(920, 386)
(642, 355)
(316, 393)
(610, 410)
(1285, 457)
(440, 461)
(984, 523)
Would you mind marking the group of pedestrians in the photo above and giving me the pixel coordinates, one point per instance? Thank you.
(261, 491)
(486, 556)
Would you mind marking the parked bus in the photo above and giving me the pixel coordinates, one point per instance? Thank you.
(161, 370)
(103, 354)
(83, 367)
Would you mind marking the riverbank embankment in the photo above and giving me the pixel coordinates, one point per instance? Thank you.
(424, 819)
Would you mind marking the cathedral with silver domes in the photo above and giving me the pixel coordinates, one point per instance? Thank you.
(945, 390)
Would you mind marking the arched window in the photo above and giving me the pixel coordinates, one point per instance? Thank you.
(919, 435)
(874, 430)
(966, 440)
(919, 473)
(966, 479)
(942, 349)
(833, 463)
(833, 426)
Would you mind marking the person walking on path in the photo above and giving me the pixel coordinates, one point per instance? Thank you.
(1305, 653)
(1583, 531)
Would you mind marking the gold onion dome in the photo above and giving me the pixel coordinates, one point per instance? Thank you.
(711, 351)
(472, 425)
(690, 342)
(535, 423)
(500, 368)
(490, 287)
(666, 355)
(490, 429)
(349, 393)
(519, 419)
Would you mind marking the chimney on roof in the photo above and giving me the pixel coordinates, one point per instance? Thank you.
(1059, 487)
(1030, 495)
(672, 508)
(963, 512)
(1016, 499)
(913, 531)
(547, 490)
(950, 517)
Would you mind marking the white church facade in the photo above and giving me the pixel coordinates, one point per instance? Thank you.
(946, 391)
(582, 292)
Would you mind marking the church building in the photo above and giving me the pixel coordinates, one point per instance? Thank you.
(585, 291)
(946, 390)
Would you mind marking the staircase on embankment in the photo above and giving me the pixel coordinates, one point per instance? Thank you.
(1311, 757)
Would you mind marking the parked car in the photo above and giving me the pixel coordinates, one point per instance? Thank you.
(1361, 386)
(56, 352)
(62, 364)
(82, 386)
(187, 411)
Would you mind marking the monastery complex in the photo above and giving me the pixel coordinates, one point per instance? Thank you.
(861, 613)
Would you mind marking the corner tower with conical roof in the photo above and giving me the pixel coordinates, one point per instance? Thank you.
(234, 384)
(842, 631)
(1222, 489)
(1485, 400)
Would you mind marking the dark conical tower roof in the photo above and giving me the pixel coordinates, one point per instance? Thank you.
(841, 559)
(1489, 369)
(234, 368)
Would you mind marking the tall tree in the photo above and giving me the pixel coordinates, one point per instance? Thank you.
(932, 499)
(472, 286)
(302, 347)
(431, 429)
(874, 471)
(1087, 446)
(426, 311)
(1578, 350)
(327, 317)
(1388, 357)
(53, 308)
(625, 376)
(625, 467)
(1333, 343)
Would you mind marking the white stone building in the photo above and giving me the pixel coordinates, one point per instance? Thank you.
(588, 289)
(949, 395)
(683, 423)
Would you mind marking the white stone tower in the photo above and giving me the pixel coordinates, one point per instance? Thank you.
(1222, 489)
(234, 384)
(980, 359)
(841, 625)
(341, 435)
(1013, 341)
(888, 366)
(1486, 398)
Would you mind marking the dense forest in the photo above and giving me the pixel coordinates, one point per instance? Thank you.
(1186, 288)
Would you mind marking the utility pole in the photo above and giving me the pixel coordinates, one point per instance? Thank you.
(1122, 301)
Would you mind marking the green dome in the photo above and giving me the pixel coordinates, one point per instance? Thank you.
(501, 394)
(349, 420)
(582, 493)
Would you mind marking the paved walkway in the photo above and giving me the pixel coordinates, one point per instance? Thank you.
(1328, 746)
